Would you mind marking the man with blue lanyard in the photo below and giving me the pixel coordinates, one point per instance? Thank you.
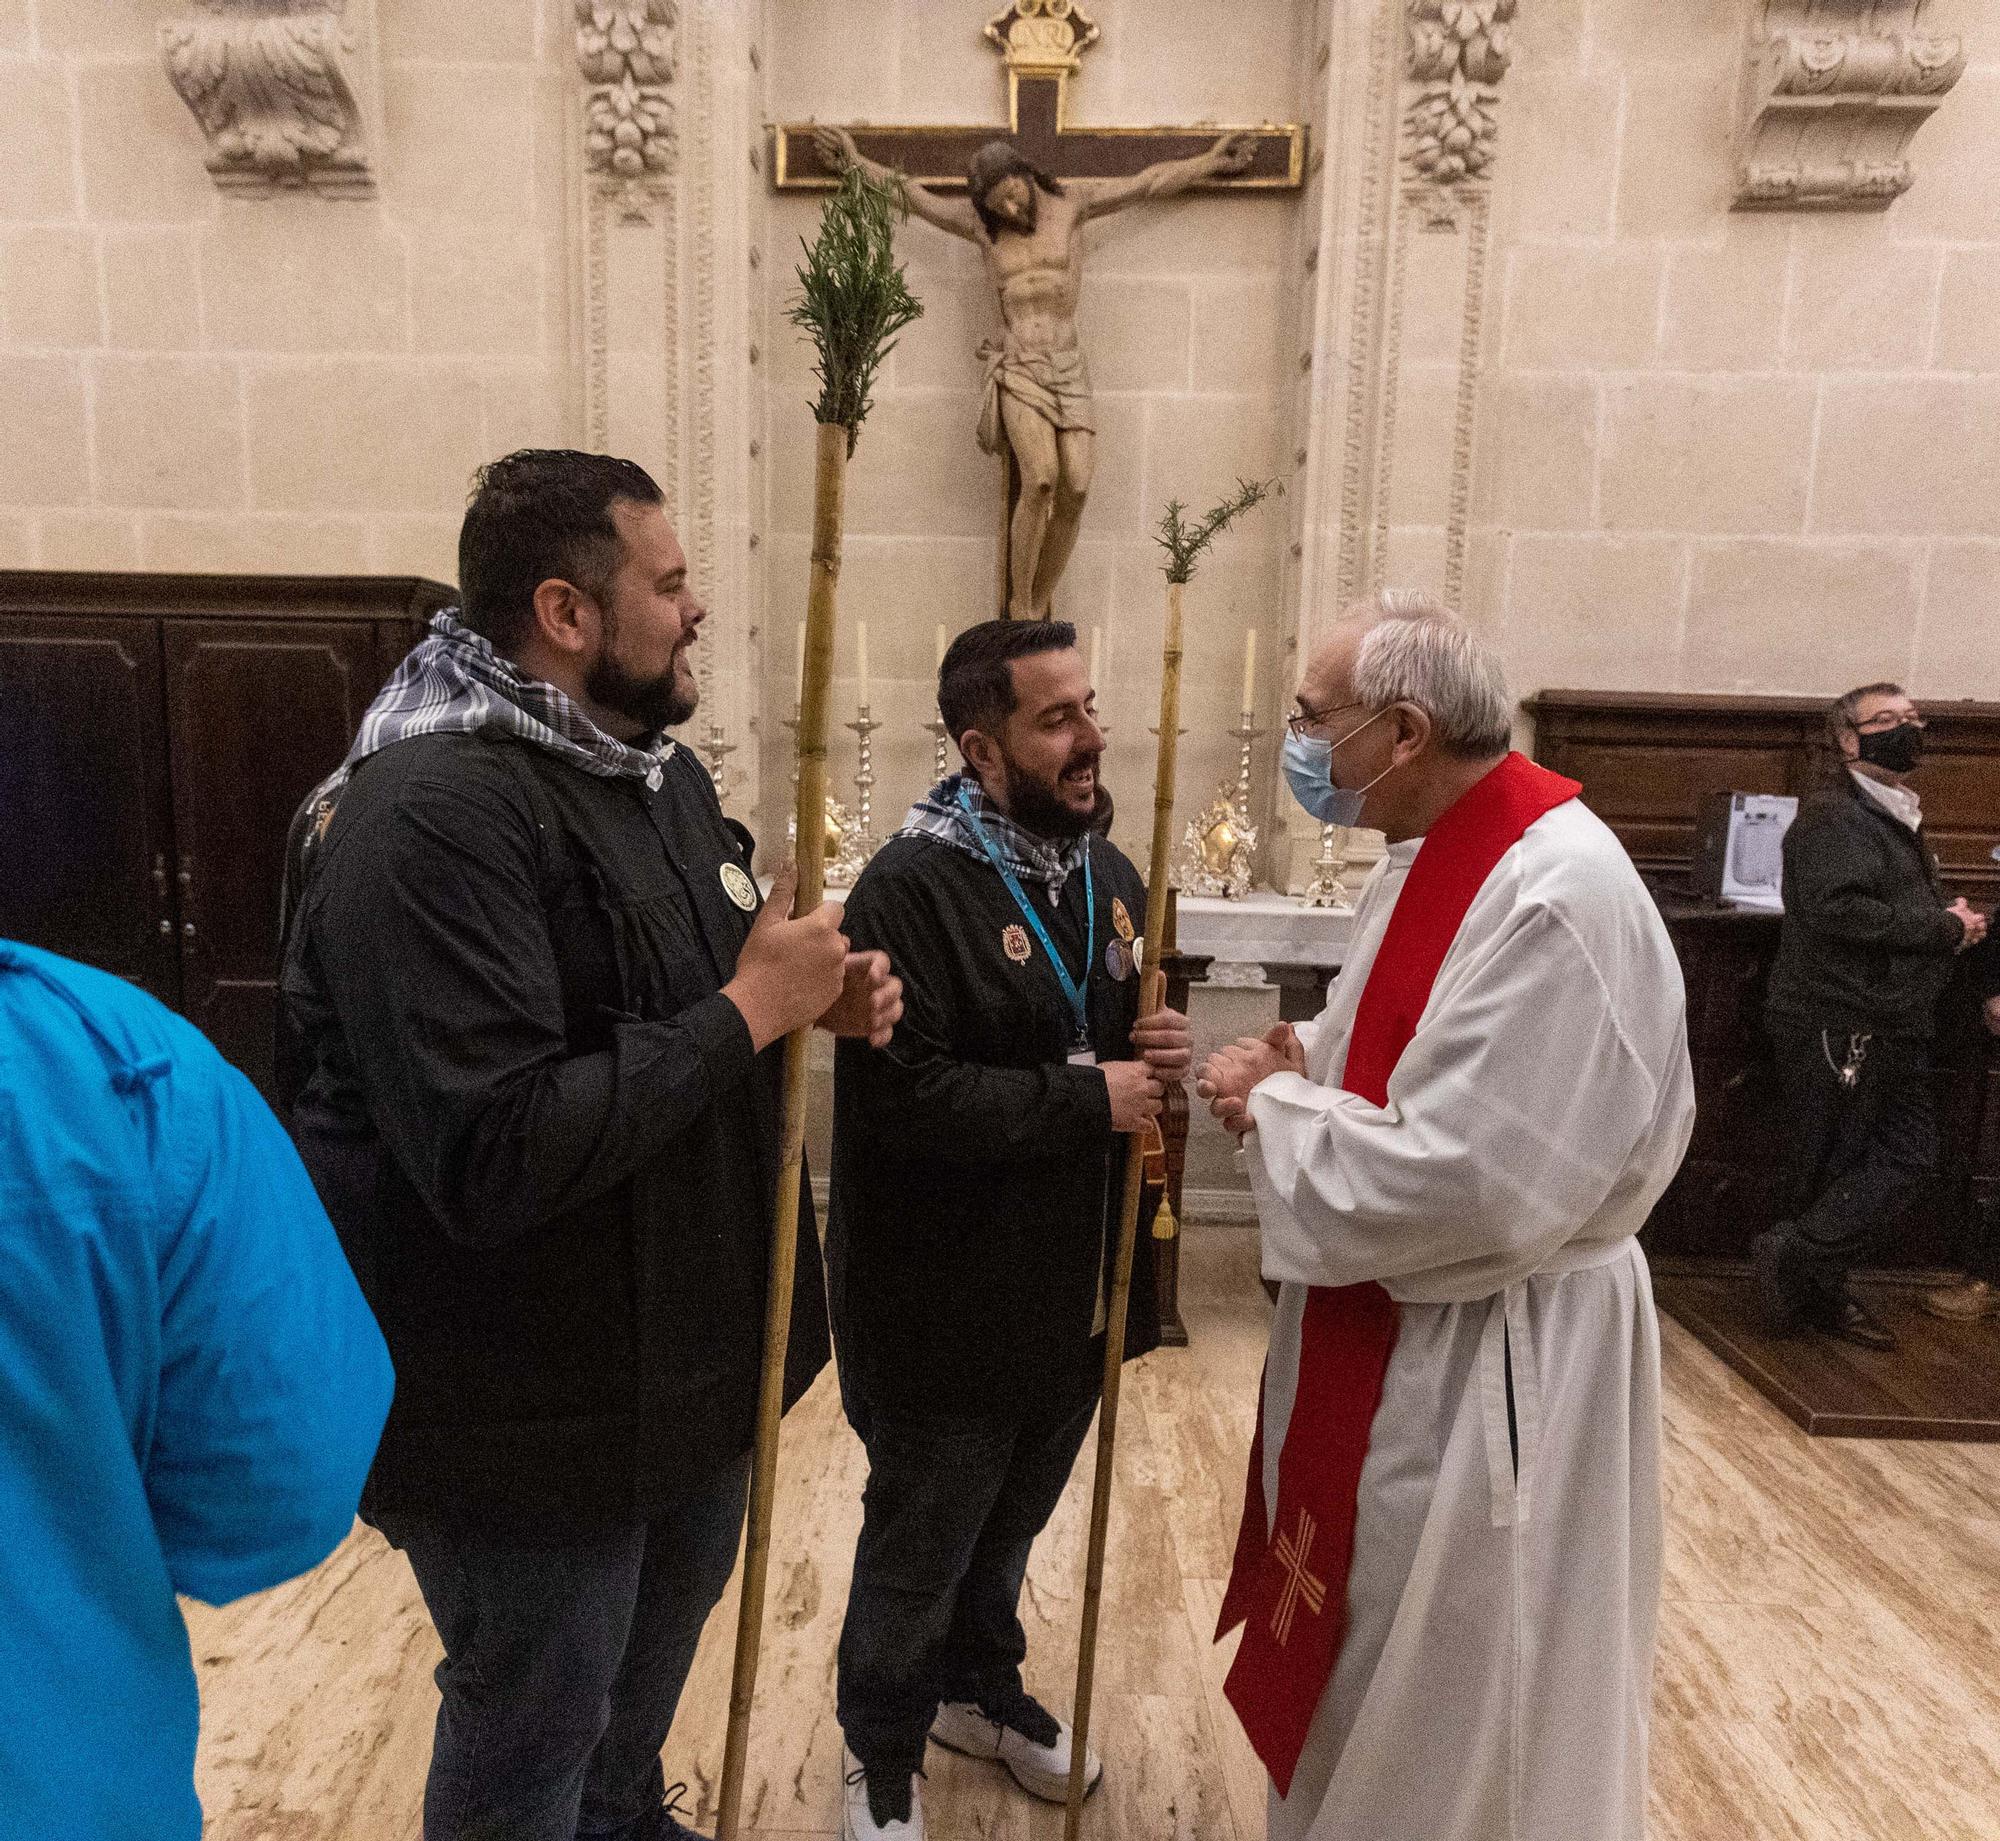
(977, 1165)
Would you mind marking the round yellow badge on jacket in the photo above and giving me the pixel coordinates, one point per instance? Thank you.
(1121, 920)
(736, 884)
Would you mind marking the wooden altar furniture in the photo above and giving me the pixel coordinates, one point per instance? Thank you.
(159, 732)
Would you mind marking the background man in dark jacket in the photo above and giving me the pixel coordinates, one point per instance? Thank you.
(530, 988)
(976, 1172)
(1864, 953)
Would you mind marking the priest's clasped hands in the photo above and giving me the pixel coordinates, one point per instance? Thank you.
(1229, 1074)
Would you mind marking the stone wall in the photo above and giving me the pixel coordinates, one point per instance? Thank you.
(1734, 450)
(194, 379)
(1650, 441)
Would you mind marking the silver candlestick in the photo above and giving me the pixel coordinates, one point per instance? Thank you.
(940, 744)
(1247, 736)
(717, 746)
(858, 843)
(1326, 890)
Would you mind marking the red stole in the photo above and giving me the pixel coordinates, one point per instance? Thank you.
(1291, 1592)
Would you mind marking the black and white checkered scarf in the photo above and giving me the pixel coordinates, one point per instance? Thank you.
(1034, 859)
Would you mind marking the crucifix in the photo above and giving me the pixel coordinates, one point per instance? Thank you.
(1026, 199)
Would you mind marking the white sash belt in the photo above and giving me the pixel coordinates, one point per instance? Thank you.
(1510, 1463)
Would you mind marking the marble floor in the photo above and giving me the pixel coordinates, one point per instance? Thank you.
(1827, 1669)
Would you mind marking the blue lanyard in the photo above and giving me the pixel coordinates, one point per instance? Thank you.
(1078, 1004)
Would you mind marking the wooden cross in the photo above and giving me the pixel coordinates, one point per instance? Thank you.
(1042, 42)
(1299, 1584)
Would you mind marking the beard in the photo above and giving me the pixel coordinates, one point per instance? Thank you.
(1038, 805)
(654, 703)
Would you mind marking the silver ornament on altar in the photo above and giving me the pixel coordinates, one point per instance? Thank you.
(1219, 847)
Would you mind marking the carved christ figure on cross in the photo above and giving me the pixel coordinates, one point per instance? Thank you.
(1029, 227)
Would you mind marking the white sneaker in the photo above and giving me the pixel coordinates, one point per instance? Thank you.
(1040, 1766)
(858, 1823)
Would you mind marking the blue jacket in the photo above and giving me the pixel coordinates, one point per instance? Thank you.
(190, 1390)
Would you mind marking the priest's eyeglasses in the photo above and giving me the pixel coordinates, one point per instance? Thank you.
(1302, 722)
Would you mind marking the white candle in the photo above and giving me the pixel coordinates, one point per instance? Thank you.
(1096, 656)
(1250, 670)
(799, 671)
(861, 658)
(943, 643)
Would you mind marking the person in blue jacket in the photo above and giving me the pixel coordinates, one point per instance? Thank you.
(191, 1389)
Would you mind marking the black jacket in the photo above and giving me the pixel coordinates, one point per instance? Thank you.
(976, 1177)
(540, 1129)
(1867, 943)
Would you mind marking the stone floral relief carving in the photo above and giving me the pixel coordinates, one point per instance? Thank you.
(269, 84)
(1458, 51)
(625, 49)
(1834, 91)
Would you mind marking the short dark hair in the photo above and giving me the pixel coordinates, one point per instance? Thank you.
(537, 515)
(976, 680)
(996, 161)
(1843, 717)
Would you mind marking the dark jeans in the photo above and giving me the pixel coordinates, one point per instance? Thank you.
(565, 1654)
(1860, 1153)
(953, 1505)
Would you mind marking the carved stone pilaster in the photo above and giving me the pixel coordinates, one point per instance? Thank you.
(1457, 53)
(1833, 93)
(270, 83)
(625, 49)
(667, 225)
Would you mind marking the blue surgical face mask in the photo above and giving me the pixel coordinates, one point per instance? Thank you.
(1308, 765)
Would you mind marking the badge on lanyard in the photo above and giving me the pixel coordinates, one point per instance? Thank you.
(736, 884)
(1014, 939)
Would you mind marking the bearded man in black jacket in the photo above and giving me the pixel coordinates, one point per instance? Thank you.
(977, 1168)
(1864, 953)
(528, 995)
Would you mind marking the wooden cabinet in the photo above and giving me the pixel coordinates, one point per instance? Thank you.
(158, 734)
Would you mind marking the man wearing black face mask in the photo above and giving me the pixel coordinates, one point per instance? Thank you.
(1865, 953)
(977, 1166)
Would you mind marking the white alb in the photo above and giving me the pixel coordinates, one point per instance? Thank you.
(1497, 1672)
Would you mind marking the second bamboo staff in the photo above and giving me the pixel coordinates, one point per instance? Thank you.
(1184, 544)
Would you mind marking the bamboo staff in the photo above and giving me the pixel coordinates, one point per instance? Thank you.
(1184, 544)
(853, 300)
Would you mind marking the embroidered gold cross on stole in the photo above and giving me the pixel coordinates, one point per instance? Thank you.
(1292, 1554)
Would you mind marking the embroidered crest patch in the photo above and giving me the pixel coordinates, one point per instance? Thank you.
(1014, 943)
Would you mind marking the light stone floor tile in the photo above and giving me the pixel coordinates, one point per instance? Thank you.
(1832, 1610)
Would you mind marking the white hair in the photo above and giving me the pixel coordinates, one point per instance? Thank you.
(1416, 650)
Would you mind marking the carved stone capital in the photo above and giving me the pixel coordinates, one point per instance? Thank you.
(268, 82)
(625, 49)
(1833, 93)
(1458, 51)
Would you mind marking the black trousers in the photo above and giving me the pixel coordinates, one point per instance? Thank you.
(952, 1507)
(1860, 1152)
(565, 1655)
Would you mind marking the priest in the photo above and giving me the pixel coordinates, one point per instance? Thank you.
(1449, 1565)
